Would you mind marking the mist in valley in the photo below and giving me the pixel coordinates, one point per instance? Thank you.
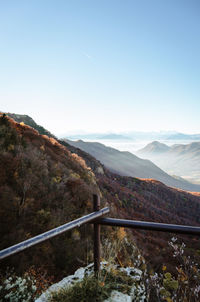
(180, 157)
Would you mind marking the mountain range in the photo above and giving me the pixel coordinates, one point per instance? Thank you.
(134, 135)
(128, 164)
(180, 159)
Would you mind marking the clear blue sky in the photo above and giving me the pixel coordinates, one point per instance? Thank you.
(102, 65)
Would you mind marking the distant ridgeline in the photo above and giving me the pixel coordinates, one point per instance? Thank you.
(45, 182)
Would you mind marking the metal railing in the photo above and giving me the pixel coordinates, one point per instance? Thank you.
(96, 219)
(151, 226)
(52, 233)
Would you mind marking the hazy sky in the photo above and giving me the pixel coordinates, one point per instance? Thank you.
(102, 65)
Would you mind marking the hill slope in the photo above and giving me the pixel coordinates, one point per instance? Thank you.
(148, 200)
(128, 164)
(42, 185)
(22, 118)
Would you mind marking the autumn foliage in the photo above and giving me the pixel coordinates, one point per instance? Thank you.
(42, 185)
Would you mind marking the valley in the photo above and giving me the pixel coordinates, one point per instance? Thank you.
(128, 164)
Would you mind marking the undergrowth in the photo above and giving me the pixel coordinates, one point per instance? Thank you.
(92, 289)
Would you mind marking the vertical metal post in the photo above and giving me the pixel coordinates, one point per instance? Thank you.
(96, 205)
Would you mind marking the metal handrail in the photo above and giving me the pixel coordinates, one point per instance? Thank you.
(151, 226)
(52, 233)
(97, 220)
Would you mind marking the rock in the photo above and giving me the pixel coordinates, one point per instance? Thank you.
(137, 291)
(118, 297)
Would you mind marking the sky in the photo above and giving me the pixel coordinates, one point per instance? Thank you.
(102, 65)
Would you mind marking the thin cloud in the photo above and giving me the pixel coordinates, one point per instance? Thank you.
(87, 56)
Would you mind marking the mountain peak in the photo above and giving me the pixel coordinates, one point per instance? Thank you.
(153, 148)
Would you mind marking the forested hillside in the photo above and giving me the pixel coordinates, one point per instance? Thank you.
(42, 185)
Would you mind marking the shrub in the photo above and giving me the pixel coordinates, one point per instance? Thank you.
(111, 279)
(18, 289)
(184, 285)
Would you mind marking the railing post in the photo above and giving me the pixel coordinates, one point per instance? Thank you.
(96, 205)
